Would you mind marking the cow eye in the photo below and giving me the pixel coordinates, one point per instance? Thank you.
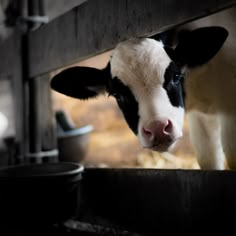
(177, 78)
(118, 97)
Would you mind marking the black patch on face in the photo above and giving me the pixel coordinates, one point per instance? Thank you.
(126, 101)
(174, 82)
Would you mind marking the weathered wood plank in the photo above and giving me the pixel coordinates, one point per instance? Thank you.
(97, 26)
(47, 115)
(42, 126)
(10, 54)
(35, 108)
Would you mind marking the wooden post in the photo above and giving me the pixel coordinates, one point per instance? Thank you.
(42, 127)
(48, 121)
(41, 132)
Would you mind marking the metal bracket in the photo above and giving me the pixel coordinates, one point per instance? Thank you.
(36, 19)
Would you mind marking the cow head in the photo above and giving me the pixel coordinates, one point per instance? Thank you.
(146, 77)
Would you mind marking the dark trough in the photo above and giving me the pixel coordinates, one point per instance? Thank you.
(124, 202)
(153, 202)
(35, 197)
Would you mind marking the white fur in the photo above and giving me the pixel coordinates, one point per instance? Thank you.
(205, 135)
(140, 64)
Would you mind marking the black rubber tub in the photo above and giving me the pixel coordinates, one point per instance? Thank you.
(39, 195)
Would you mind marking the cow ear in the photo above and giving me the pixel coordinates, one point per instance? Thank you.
(197, 47)
(81, 82)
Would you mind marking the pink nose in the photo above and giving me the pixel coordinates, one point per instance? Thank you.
(158, 132)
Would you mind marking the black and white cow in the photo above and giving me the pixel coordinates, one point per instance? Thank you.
(154, 84)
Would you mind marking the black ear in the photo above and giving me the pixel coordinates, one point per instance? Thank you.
(81, 82)
(197, 47)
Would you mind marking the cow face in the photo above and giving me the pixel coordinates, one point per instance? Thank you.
(147, 80)
(148, 89)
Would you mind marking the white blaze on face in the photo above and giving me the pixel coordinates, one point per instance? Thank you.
(141, 65)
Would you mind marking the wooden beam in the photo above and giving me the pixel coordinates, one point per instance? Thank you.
(47, 115)
(42, 125)
(10, 54)
(97, 26)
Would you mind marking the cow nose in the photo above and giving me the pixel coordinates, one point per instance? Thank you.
(158, 131)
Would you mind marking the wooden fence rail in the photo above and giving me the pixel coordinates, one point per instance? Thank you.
(97, 26)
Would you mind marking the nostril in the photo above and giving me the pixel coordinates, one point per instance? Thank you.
(147, 132)
(168, 128)
(158, 131)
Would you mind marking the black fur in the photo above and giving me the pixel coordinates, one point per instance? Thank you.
(81, 82)
(197, 47)
(174, 85)
(126, 101)
(168, 37)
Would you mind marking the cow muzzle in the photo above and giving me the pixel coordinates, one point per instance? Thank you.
(159, 135)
